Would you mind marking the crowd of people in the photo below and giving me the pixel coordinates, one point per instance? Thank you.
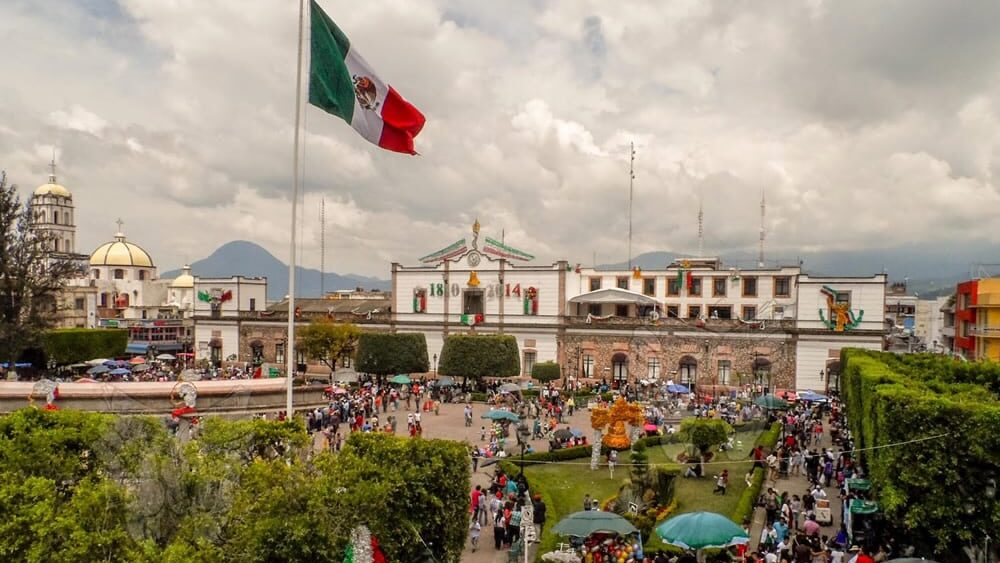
(504, 506)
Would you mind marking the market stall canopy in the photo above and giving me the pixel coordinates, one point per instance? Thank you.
(701, 530)
(584, 523)
(615, 296)
(400, 379)
(140, 368)
(771, 402)
(859, 506)
(500, 415)
(677, 388)
(345, 375)
(445, 381)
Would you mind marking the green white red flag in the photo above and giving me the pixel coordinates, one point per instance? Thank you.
(343, 84)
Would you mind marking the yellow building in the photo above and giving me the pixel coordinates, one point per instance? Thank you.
(986, 329)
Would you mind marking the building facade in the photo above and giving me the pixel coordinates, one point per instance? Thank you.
(977, 319)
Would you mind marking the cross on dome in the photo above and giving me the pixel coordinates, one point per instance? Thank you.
(121, 233)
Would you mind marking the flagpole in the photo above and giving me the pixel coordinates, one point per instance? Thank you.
(290, 349)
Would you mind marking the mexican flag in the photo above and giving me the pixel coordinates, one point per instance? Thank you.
(341, 83)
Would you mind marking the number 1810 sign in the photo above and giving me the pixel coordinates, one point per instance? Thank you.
(492, 290)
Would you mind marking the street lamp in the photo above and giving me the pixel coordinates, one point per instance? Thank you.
(522, 440)
(435, 356)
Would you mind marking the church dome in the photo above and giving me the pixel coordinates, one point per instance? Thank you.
(185, 280)
(52, 188)
(120, 253)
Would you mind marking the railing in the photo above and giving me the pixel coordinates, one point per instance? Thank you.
(985, 330)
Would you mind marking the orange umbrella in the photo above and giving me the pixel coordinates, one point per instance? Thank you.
(137, 360)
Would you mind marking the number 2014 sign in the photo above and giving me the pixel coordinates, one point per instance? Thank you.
(492, 291)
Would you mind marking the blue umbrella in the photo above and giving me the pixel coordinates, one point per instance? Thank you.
(119, 371)
(812, 397)
(17, 364)
(576, 433)
(676, 388)
(98, 370)
(111, 363)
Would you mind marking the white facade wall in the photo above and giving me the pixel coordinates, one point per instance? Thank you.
(246, 292)
(867, 294)
(205, 331)
(812, 354)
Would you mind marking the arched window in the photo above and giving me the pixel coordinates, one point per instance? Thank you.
(142, 275)
(97, 274)
(55, 217)
(119, 274)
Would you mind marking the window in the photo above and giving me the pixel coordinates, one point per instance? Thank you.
(688, 371)
(694, 311)
(119, 274)
(673, 288)
(55, 244)
(279, 353)
(649, 286)
(673, 311)
(720, 312)
(783, 286)
(97, 274)
(253, 303)
(472, 302)
(594, 310)
(695, 287)
(621, 310)
(595, 284)
(142, 275)
(347, 361)
(718, 287)
(779, 312)
(104, 300)
(588, 365)
(144, 313)
(621, 282)
(725, 367)
(55, 217)
(750, 287)
(653, 368)
(79, 303)
(749, 313)
(529, 361)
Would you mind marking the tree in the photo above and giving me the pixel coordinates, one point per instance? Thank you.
(545, 371)
(72, 345)
(389, 353)
(703, 433)
(327, 341)
(480, 355)
(31, 277)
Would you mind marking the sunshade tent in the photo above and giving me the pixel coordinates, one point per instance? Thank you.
(98, 370)
(400, 379)
(500, 415)
(863, 485)
(771, 402)
(701, 530)
(119, 371)
(166, 357)
(445, 381)
(584, 523)
(812, 397)
(676, 388)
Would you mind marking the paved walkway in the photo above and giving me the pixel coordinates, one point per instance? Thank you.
(799, 485)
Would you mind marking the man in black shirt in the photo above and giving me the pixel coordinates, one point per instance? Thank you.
(538, 508)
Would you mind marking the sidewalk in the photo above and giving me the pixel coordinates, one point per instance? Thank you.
(799, 485)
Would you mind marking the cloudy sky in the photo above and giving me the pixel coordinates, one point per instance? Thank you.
(867, 124)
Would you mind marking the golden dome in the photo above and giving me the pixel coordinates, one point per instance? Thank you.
(120, 253)
(52, 189)
(185, 280)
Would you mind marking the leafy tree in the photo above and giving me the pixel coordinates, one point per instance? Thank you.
(545, 371)
(480, 355)
(73, 345)
(704, 433)
(389, 353)
(327, 341)
(31, 278)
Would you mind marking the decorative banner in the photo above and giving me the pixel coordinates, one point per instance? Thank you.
(531, 301)
(637, 273)
(473, 279)
(500, 250)
(472, 320)
(456, 249)
(419, 300)
(841, 316)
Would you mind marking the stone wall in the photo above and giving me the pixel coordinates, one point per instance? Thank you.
(743, 352)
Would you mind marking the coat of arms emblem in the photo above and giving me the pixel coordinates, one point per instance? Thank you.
(364, 90)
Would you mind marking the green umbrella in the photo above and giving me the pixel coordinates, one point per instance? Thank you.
(501, 415)
(401, 379)
(699, 530)
(771, 402)
(582, 524)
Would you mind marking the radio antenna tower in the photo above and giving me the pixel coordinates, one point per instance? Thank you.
(322, 247)
(631, 180)
(763, 211)
(701, 229)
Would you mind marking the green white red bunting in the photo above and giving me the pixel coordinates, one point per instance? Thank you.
(343, 84)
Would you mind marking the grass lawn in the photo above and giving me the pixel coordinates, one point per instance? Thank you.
(563, 485)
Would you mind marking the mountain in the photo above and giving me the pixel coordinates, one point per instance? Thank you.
(243, 258)
(928, 269)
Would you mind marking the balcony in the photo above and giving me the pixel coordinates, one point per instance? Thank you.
(985, 331)
(988, 300)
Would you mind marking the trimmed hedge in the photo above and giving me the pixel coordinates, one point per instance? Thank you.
(74, 345)
(480, 355)
(389, 353)
(929, 430)
(770, 438)
(748, 500)
(545, 371)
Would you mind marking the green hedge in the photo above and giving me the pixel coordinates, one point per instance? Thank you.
(748, 500)
(480, 355)
(389, 353)
(545, 371)
(929, 428)
(75, 345)
(770, 438)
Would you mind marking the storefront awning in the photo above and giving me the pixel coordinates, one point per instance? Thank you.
(136, 348)
(615, 296)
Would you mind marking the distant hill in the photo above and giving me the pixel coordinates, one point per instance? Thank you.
(243, 258)
(929, 270)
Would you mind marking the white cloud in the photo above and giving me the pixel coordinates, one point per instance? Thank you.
(861, 126)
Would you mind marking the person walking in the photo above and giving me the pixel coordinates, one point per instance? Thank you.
(538, 515)
(499, 530)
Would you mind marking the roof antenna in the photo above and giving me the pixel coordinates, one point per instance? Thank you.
(701, 228)
(763, 209)
(631, 179)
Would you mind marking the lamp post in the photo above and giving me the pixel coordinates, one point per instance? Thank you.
(522, 440)
(435, 356)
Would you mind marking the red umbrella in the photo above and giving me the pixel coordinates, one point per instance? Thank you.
(650, 428)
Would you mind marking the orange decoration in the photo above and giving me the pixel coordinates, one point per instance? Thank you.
(620, 413)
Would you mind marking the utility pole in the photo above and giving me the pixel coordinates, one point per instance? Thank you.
(763, 208)
(631, 181)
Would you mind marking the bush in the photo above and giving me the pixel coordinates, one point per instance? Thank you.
(480, 355)
(389, 353)
(74, 345)
(770, 438)
(748, 500)
(703, 433)
(545, 371)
